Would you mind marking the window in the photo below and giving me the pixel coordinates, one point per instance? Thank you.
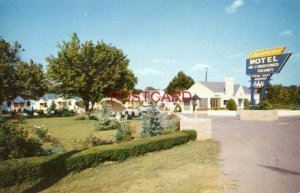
(225, 102)
(28, 103)
(70, 103)
(8, 103)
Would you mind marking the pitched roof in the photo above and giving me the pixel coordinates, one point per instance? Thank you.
(247, 90)
(49, 96)
(19, 99)
(215, 86)
(77, 99)
(220, 87)
(53, 96)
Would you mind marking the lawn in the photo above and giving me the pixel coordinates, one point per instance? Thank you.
(192, 167)
(71, 129)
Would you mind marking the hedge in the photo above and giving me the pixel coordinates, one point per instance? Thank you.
(192, 133)
(30, 169)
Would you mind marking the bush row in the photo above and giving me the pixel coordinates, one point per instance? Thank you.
(30, 169)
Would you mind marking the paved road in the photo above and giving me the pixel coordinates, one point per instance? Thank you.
(260, 157)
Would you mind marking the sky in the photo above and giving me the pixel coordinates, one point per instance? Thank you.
(162, 37)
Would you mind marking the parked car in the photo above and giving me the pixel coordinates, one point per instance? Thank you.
(127, 113)
(145, 108)
(130, 113)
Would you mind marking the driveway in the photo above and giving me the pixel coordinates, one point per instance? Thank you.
(260, 157)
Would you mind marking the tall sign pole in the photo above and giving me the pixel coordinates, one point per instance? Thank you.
(252, 102)
(261, 65)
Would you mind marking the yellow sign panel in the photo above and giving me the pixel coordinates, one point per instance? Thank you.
(268, 52)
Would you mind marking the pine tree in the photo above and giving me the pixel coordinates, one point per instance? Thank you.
(152, 123)
(104, 121)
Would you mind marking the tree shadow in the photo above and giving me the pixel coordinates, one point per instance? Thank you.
(83, 118)
(52, 171)
(280, 170)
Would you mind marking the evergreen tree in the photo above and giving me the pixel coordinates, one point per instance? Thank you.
(180, 83)
(152, 123)
(104, 121)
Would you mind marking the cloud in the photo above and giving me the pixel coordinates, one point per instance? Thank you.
(202, 67)
(234, 6)
(164, 60)
(286, 33)
(149, 71)
(236, 55)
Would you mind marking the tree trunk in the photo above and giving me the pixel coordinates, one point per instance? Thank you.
(0, 110)
(87, 116)
(87, 110)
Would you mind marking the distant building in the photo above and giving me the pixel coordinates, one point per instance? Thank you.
(43, 103)
(18, 104)
(60, 102)
(215, 95)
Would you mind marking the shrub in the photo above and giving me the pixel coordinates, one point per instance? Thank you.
(264, 105)
(63, 112)
(52, 106)
(52, 150)
(30, 169)
(246, 104)
(231, 105)
(14, 142)
(40, 112)
(40, 132)
(192, 133)
(124, 133)
(177, 108)
(90, 141)
(104, 121)
(152, 123)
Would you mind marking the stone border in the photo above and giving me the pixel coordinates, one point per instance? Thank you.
(202, 126)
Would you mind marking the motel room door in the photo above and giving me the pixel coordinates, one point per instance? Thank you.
(215, 103)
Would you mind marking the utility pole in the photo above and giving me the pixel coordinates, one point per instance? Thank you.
(206, 75)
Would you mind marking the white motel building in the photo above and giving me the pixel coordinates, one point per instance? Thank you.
(215, 95)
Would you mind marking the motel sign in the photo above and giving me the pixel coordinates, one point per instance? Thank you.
(261, 65)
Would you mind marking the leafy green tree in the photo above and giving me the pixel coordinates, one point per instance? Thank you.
(231, 105)
(283, 96)
(16, 76)
(90, 71)
(179, 83)
(31, 80)
(149, 88)
(152, 123)
(9, 56)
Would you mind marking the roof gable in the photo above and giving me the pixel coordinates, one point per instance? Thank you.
(200, 89)
(215, 86)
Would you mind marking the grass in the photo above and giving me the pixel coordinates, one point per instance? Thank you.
(193, 167)
(71, 129)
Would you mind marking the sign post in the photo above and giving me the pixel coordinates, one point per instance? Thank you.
(261, 65)
(252, 92)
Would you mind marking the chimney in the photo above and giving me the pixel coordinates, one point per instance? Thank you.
(229, 86)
